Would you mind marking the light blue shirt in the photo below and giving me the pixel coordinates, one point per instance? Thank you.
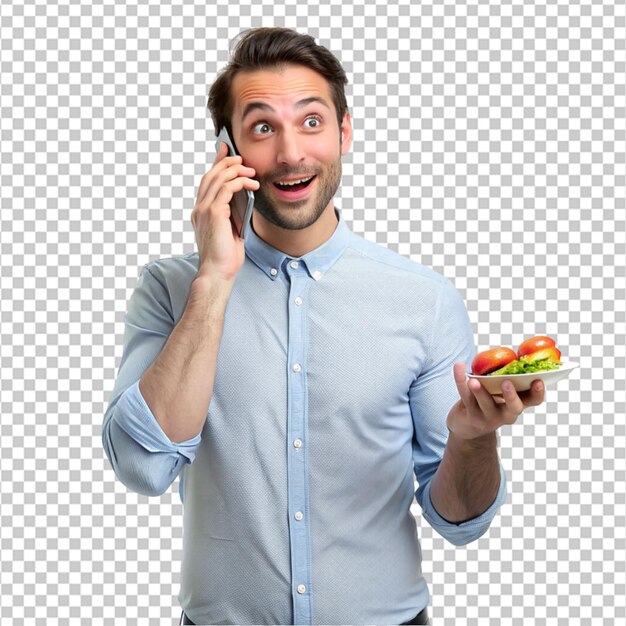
(333, 383)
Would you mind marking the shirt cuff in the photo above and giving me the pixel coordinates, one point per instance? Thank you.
(135, 418)
(463, 532)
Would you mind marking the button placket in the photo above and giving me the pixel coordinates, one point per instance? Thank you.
(299, 282)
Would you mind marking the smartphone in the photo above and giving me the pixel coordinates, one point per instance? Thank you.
(242, 202)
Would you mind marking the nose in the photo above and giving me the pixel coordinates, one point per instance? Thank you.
(289, 148)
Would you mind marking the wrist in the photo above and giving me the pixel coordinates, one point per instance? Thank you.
(209, 295)
(482, 442)
(206, 280)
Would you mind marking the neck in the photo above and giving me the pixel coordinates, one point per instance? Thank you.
(297, 243)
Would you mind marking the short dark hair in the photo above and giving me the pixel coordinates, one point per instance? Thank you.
(273, 48)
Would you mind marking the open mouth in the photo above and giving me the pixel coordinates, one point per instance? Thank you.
(294, 186)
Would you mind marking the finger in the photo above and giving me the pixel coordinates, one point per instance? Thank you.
(211, 183)
(221, 153)
(462, 383)
(535, 395)
(230, 188)
(217, 167)
(514, 405)
(220, 176)
(485, 401)
(234, 172)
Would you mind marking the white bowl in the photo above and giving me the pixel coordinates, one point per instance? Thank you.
(522, 382)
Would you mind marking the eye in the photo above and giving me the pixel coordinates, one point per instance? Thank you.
(317, 121)
(262, 128)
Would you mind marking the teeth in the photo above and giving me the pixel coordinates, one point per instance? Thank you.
(294, 182)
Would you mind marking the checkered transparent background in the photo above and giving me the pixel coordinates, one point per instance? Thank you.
(490, 144)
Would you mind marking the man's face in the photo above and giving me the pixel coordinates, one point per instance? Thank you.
(285, 126)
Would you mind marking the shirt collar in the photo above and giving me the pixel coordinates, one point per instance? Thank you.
(317, 262)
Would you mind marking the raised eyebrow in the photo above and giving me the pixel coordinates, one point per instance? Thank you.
(302, 103)
(263, 106)
(253, 106)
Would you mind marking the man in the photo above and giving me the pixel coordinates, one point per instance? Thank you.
(298, 382)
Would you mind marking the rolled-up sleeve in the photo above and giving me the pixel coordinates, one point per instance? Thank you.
(431, 397)
(142, 456)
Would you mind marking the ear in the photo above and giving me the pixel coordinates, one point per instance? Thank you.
(346, 134)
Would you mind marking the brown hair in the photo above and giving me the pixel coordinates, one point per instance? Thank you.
(269, 48)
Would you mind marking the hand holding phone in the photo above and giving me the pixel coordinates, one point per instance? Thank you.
(220, 246)
(242, 202)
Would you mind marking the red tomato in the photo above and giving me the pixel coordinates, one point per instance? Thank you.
(491, 360)
(534, 344)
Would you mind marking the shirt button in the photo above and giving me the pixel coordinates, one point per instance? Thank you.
(297, 367)
(298, 301)
(299, 516)
(297, 443)
(301, 588)
(294, 264)
(317, 275)
(274, 271)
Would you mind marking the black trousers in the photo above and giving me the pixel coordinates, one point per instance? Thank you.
(420, 618)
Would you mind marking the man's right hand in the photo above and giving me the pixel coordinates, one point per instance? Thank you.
(220, 249)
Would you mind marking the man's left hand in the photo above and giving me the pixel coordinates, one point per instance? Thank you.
(478, 413)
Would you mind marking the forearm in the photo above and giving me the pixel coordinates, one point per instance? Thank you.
(467, 480)
(178, 385)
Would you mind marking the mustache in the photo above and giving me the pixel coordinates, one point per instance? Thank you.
(286, 173)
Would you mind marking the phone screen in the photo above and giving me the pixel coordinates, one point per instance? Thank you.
(242, 202)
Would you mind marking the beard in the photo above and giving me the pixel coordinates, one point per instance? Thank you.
(298, 214)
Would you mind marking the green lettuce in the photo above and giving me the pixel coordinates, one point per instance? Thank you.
(523, 366)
